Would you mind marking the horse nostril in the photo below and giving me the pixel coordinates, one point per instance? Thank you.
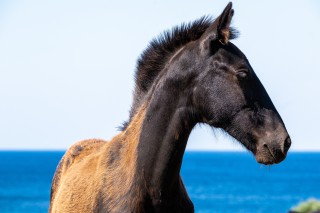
(287, 144)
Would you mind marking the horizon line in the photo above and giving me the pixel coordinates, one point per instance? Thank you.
(187, 150)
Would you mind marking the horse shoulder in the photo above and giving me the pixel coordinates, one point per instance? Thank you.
(75, 153)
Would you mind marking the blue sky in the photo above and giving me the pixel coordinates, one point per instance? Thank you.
(66, 67)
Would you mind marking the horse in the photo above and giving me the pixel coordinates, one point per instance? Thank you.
(189, 75)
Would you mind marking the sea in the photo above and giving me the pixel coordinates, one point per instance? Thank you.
(216, 181)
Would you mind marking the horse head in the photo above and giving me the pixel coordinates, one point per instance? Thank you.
(225, 92)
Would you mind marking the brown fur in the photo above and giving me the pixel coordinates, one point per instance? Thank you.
(95, 175)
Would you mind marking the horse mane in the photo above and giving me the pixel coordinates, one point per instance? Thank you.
(153, 59)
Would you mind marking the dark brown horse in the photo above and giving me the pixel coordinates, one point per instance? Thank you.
(189, 75)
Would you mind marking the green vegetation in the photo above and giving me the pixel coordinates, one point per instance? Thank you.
(308, 206)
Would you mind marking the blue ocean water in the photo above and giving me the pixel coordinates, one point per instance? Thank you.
(216, 181)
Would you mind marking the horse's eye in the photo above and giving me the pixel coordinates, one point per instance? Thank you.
(242, 75)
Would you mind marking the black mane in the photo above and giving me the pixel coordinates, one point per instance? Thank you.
(159, 50)
(154, 57)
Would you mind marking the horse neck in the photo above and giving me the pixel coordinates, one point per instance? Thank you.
(163, 138)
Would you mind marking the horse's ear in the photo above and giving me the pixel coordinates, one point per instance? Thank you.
(224, 20)
(220, 29)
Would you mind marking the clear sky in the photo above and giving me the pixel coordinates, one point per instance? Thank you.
(66, 67)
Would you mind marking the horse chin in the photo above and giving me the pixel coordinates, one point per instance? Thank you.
(267, 158)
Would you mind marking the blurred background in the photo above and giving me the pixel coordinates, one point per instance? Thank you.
(67, 67)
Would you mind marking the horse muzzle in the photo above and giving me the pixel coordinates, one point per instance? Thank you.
(272, 151)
